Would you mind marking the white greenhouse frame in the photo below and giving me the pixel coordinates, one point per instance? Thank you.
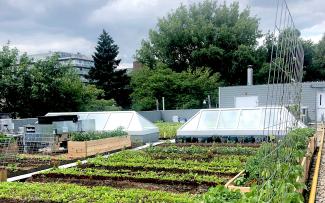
(240, 122)
(130, 121)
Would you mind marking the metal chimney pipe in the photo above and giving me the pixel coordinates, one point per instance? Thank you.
(250, 75)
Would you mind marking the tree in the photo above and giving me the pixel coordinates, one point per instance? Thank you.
(182, 90)
(105, 75)
(101, 105)
(31, 89)
(315, 68)
(218, 37)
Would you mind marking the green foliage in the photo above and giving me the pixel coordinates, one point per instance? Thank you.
(101, 105)
(86, 136)
(315, 60)
(105, 74)
(4, 139)
(220, 194)
(219, 37)
(275, 169)
(167, 130)
(42, 86)
(59, 192)
(135, 159)
(154, 176)
(182, 90)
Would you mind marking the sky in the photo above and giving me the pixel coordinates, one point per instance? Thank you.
(38, 26)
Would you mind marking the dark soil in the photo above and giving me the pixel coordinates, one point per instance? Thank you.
(311, 175)
(211, 144)
(29, 165)
(133, 179)
(122, 184)
(140, 168)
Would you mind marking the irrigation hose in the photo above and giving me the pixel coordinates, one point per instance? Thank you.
(312, 195)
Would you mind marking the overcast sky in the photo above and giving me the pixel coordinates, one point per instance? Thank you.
(37, 26)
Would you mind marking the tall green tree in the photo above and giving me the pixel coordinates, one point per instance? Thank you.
(206, 34)
(315, 71)
(186, 89)
(105, 74)
(31, 89)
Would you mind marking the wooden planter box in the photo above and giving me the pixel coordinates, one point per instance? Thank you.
(230, 184)
(305, 163)
(79, 149)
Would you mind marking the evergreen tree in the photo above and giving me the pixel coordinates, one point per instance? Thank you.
(105, 75)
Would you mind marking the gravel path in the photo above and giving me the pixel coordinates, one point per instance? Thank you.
(320, 194)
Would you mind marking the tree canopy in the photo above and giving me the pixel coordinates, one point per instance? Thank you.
(29, 89)
(186, 89)
(219, 37)
(105, 74)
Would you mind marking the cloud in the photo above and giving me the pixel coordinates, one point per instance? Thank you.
(314, 33)
(43, 42)
(74, 25)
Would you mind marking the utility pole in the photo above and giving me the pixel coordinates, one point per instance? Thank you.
(209, 101)
(163, 103)
(157, 104)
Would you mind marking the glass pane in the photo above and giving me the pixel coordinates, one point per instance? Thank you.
(192, 124)
(208, 120)
(228, 119)
(272, 118)
(117, 120)
(249, 119)
(82, 116)
(100, 119)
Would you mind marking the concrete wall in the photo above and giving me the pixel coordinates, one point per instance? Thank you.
(152, 116)
(167, 115)
(308, 95)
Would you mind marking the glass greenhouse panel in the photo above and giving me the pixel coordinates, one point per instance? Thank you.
(228, 119)
(208, 120)
(100, 119)
(249, 119)
(131, 121)
(117, 120)
(192, 124)
(240, 122)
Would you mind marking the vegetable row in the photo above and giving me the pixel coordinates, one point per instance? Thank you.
(139, 176)
(60, 192)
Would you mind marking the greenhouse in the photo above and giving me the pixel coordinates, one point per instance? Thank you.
(235, 122)
(140, 129)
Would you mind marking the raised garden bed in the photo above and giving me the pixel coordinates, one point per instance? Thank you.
(305, 164)
(167, 168)
(79, 149)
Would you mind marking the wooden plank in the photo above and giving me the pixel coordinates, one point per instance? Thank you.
(3, 175)
(88, 148)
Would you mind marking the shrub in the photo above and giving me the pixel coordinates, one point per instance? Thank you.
(94, 135)
(275, 168)
(167, 130)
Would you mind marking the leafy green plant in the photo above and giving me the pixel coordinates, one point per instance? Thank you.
(86, 136)
(240, 181)
(276, 167)
(220, 194)
(189, 177)
(168, 130)
(4, 139)
(59, 192)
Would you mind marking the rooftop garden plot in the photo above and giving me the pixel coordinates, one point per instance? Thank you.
(175, 173)
(171, 168)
